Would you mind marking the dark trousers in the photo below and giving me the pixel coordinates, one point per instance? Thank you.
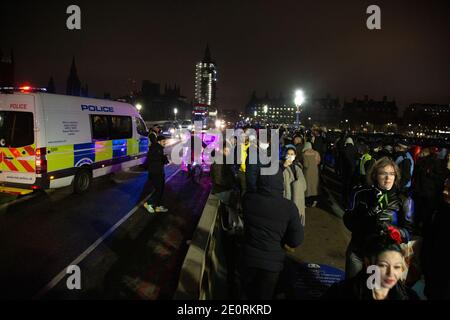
(260, 284)
(242, 182)
(348, 184)
(353, 262)
(424, 206)
(157, 178)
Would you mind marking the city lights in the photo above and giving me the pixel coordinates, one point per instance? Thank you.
(298, 101)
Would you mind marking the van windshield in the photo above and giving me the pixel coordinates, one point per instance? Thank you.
(16, 129)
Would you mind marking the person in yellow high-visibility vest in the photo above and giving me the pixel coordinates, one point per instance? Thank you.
(365, 164)
(242, 168)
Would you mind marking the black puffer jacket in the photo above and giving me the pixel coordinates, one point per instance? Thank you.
(356, 289)
(428, 179)
(270, 221)
(222, 176)
(434, 254)
(156, 158)
(372, 210)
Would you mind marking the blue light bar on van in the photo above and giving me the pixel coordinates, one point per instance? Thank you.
(23, 89)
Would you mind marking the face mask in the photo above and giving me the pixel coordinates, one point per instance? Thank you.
(290, 158)
(263, 145)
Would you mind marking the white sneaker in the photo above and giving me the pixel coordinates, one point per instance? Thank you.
(161, 209)
(149, 208)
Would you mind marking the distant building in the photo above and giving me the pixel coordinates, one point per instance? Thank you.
(428, 115)
(51, 86)
(368, 111)
(7, 70)
(321, 111)
(229, 115)
(206, 81)
(160, 106)
(271, 110)
(73, 82)
(281, 110)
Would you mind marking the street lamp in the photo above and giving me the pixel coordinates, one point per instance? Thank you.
(298, 101)
(175, 111)
(139, 107)
(265, 109)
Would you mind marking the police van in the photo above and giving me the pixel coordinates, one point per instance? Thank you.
(53, 141)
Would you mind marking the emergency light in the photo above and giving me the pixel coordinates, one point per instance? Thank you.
(22, 89)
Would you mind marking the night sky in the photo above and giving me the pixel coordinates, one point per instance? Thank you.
(275, 46)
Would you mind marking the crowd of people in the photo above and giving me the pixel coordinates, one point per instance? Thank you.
(396, 201)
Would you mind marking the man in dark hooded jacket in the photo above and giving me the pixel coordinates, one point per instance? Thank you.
(270, 222)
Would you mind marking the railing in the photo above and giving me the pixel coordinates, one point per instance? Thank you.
(203, 274)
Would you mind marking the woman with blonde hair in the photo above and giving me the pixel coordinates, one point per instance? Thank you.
(382, 277)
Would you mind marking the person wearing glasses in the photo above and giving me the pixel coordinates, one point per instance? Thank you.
(376, 209)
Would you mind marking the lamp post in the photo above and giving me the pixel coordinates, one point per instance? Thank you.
(175, 111)
(139, 107)
(265, 109)
(298, 101)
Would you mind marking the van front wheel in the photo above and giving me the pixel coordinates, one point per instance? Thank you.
(82, 181)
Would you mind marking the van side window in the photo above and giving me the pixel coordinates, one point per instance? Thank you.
(141, 127)
(121, 127)
(16, 129)
(100, 127)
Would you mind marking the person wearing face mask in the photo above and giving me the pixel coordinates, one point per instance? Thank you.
(294, 181)
(375, 208)
(377, 147)
(383, 253)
